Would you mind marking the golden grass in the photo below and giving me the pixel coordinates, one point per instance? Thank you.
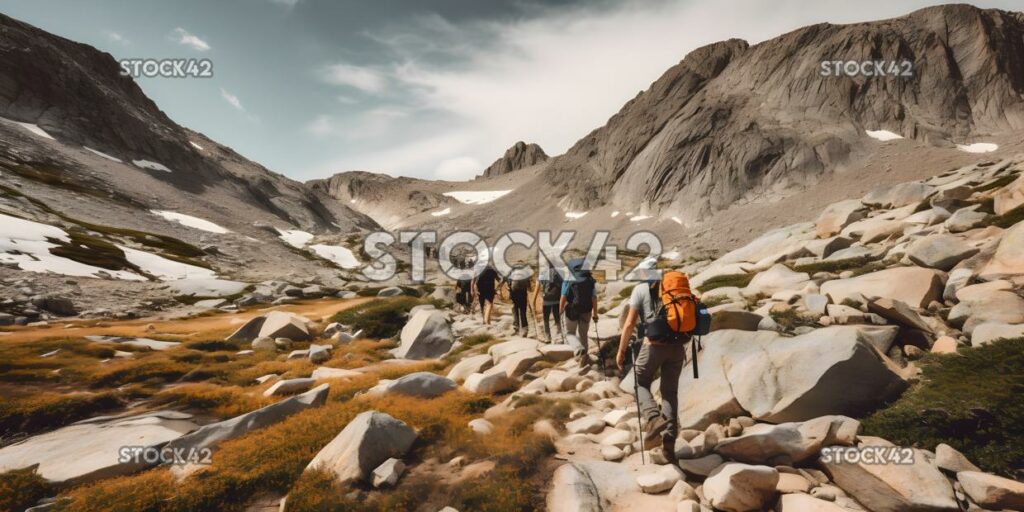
(221, 401)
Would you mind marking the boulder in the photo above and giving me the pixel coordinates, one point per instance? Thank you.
(875, 230)
(898, 312)
(556, 353)
(560, 380)
(893, 487)
(390, 291)
(659, 480)
(504, 349)
(573, 490)
(481, 426)
(989, 306)
(388, 473)
(806, 503)
(289, 386)
(991, 491)
(1011, 196)
(991, 331)
(835, 370)
(264, 344)
(363, 445)
(837, 216)
(60, 306)
(777, 278)
(965, 219)
(895, 196)
(91, 450)
(420, 385)
(915, 286)
(940, 251)
(319, 353)
(426, 335)
(324, 372)
(470, 365)
(945, 345)
(585, 425)
(789, 443)
(209, 436)
(1008, 260)
(736, 487)
(492, 381)
(281, 324)
(949, 459)
(515, 365)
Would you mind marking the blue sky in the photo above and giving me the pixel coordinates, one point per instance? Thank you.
(427, 88)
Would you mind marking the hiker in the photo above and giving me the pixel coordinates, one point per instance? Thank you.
(579, 305)
(464, 294)
(518, 289)
(485, 287)
(666, 353)
(548, 293)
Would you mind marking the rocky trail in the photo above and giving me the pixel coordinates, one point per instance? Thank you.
(815, 326)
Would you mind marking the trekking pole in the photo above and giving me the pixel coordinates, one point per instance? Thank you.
(636, 397)
(600, 353)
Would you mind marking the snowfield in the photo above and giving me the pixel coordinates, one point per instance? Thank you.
(883, 135)
(978, 147)
(24, 243)
(190, 221)
(342, 256)
(476, 196)
(155, 166)
(163, 268)
(102, 154)
(294, 237)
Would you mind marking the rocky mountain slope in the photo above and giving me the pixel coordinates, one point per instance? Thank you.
(519, 156)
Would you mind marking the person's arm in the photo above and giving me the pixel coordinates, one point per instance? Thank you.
(627, 331)
(561, 304)
(593, 308)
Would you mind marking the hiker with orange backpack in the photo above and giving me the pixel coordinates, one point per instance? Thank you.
(671, 315)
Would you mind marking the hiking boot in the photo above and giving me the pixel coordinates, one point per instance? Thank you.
(584, 360)
(668, 446)
(652, 432)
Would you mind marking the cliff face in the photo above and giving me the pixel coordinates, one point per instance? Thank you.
(519, 156)
(733, 121)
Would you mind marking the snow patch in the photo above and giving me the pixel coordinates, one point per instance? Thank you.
(190, 221)
(102, 154)
(639, 218)
(575, 215)
(197, 146)
(671, 255)
(294, 237)
(440, 213)
(148, 164)
(883, 135)
(163, 268)
(26, 244)
(36, 130)
(207, 287)
(677, 220)
(615, 214)
(342, 256)
(978, 147)
(476, 196)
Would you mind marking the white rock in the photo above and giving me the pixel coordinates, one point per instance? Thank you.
(426, 335)
(659, 480)
(388, 473)
(481, 426)
(489, 382)
(469, 366)
(736, 487)
(806, 503)
(585, 425)
(363, 445)
(289, 386)
(991, 491)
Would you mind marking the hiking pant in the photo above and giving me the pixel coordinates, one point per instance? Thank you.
(579, 328)
(669, 359)
(518, 298)
(551, 310)
(486, 303)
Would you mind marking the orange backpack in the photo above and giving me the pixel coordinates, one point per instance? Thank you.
(678, 301)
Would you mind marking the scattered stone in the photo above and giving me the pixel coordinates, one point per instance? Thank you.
(949, 459)
(388, 473)
(363, 445)
(481, 426)
(914, 286)
(324, 372)
(658, 481)
(736, 487)
(489, 382)
(940, 251)
(789, 443)
(390, 291)
(585, 425)
(837, 216)
(945, 345)
(281, 324)
(289, 386)
(612, 453)
(989, 332)
(469, 366)
(991, 491)
(701, 466)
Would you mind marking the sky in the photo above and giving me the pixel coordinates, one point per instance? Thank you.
(427, 88)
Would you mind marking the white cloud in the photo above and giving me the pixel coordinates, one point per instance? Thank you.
(286, 3)
(115, 37)
(231, 99)
(188, 39)
(458, 168)
(362, 78)
(321, 126)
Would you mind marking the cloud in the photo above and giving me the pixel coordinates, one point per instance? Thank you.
(286, 3)
(231, 99)
(363, 78)
(185, 38)
(117, 38)
(321, 126)
(458, 168)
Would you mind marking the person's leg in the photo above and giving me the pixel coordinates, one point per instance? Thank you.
(548, 309)
(583, 327)
(644, 371)
(671, 368)
(488, 308)
(483, 309)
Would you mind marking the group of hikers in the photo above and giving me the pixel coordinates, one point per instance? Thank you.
(660, 320)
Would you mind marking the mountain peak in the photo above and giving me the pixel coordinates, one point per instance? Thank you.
(519, 156)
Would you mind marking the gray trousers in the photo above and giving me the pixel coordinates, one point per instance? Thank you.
(669, 359)
(579, 329)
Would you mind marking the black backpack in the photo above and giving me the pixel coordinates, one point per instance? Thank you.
(553, 287)
(579, 300)
(519, 285)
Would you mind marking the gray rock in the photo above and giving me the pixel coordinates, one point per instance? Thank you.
(965, 219)
(362, 446)
(992, 492)
(940, 251)
(60, 306)
(739, 487)
(420, 385)
(427, 334)
(280, 324)
(388, 473)
(915, 286)
(899, 195)
(289, 386)
(949, 459)
(391, 291)
(789, 443)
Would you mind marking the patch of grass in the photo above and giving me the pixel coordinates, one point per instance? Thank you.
(999, 182)
(21, 489)
(150, 370)
(715, 301)
(626, 292)
(1007, 219)
(381, 318)
(970, 400)
(90, 250)
(737, 280)
(41, 411)
(789, 319)
(476, 339)
(868, 268)
(834, 267)
(213, 345)
(221, 401)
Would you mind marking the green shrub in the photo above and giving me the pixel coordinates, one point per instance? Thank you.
(626, 292)
(381, 318)
(832, 266)
(970, 401)
(21, 489)
(737, 280)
